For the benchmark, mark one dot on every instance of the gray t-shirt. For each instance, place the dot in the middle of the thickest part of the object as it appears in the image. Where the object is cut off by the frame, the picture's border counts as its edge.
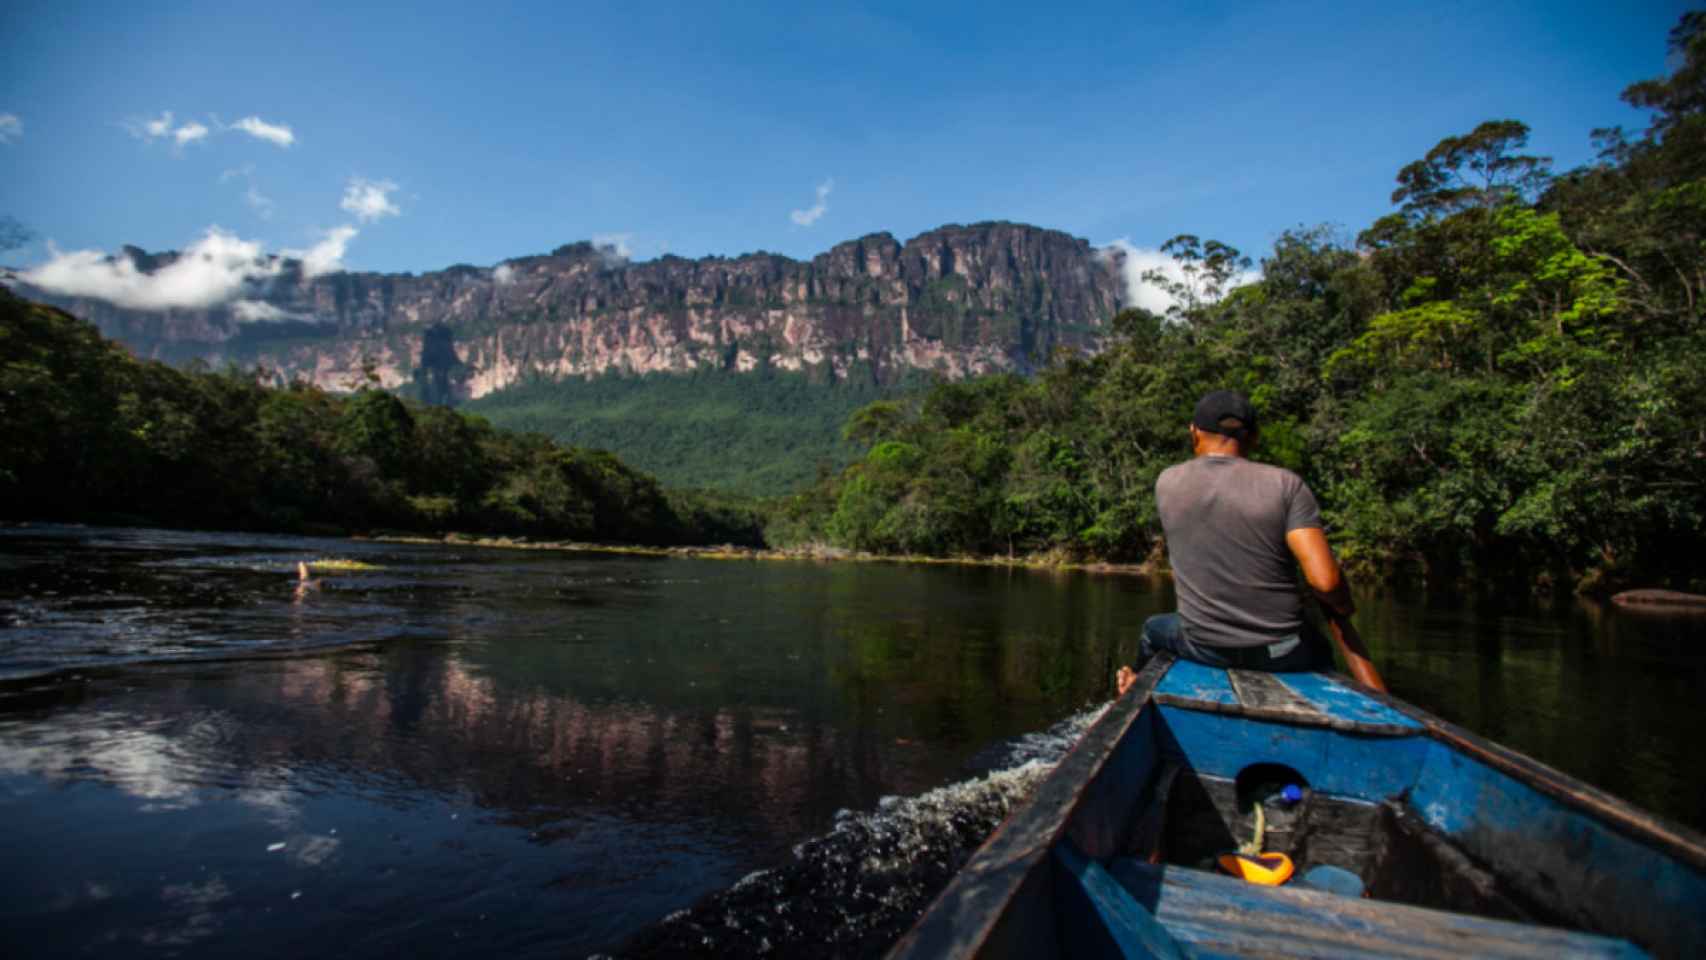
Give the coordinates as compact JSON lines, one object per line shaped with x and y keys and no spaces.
{"x":1225,"y":519}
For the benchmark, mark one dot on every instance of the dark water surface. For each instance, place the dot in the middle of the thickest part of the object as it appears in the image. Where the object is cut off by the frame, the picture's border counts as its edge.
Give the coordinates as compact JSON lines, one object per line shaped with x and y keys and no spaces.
{"x":485,"y":752}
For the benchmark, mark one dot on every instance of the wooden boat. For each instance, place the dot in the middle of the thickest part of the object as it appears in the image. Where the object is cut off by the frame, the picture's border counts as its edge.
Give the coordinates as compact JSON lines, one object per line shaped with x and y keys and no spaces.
{"x":1463,"y":848}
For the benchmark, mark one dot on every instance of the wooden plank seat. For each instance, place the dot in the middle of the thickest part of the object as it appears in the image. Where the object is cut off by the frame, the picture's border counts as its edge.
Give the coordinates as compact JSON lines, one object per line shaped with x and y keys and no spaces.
{"x":1205,"y":914}
{"x":1299,"y":699}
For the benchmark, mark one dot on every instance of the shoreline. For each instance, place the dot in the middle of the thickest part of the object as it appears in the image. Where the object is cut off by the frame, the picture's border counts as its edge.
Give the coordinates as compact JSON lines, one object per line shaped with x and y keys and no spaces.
{"x":1597,"y":588}
{"x":814,"y":554}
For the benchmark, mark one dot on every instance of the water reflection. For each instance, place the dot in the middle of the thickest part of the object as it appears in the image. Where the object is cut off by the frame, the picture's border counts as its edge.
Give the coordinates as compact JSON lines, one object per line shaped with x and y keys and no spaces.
{"x":1603,"y":694}
{"x":106,"y":747}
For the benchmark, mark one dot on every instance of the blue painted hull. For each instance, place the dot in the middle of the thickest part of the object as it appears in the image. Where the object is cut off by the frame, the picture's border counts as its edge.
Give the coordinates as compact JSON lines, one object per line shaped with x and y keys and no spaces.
{"x":1465,"y":848}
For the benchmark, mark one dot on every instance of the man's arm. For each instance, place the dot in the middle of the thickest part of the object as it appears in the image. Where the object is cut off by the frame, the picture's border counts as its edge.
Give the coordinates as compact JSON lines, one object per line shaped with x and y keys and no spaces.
{"x":1320,"y":570}
{"x":1309,"y":546}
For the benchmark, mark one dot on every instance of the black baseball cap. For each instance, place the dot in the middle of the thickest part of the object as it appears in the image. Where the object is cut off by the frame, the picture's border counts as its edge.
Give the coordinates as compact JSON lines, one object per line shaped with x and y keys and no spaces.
{"x":1227,"y":413}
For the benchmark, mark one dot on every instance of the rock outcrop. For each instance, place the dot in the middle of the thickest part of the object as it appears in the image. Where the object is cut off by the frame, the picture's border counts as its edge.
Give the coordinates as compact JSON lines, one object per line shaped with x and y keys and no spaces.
{"x":960,"y":300}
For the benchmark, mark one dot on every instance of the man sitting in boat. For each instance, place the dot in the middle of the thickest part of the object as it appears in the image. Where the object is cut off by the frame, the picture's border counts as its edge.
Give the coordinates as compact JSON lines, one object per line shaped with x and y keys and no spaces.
{"x":1235,"y":528}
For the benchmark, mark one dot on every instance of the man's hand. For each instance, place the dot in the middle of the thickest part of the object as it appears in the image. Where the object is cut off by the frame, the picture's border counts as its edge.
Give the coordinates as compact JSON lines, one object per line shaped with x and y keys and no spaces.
{"x":1123,"y":679}
{"x":1320,"y":570}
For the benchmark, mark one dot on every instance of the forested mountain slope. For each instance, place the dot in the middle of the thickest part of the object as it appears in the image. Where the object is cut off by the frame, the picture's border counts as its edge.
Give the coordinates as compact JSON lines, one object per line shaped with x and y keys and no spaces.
{"x":760,"y":433}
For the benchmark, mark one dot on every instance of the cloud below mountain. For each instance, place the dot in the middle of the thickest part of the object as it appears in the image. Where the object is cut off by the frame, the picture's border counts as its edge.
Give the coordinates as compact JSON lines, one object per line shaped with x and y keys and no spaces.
{"x":326,"y":256}
{"x":212,"y":271}
{"x":217,"y":269}
{"x":259,"y":311}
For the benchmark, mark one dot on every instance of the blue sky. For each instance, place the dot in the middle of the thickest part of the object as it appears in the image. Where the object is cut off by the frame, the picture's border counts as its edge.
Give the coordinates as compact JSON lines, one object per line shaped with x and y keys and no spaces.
{"x":429,"y":134}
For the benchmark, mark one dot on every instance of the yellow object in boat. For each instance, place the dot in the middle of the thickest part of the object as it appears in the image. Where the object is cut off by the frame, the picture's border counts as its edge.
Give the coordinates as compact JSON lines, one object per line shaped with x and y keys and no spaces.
{"x":1267,"y":869}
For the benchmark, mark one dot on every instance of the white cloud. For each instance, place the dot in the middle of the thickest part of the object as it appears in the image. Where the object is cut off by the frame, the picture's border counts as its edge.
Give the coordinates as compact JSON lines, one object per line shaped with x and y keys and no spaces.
{"x":190,"y":133}
{"x":214,"y":270}
{"x":259,"y":311}
{"x":275,"y":133}
{"x":811,"y":214}
{"x":369,"y":200}
{"x":11,"y":128}
{"x":503,"y":275}
{"x":162,"y":128}
{"x":246,"y":170}
{"x":218,"y":269}
{"x":155,"y":129}
{"x":326,"y":256}
{"x":258,"y":202}
{"x":165,"y":127}
{"x":613,"y":248}
{"x":1134,"y":261}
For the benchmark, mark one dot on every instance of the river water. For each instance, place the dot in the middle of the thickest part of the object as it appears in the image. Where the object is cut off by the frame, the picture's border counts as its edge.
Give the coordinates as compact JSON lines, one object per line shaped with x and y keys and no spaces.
{"x":472,"y":752}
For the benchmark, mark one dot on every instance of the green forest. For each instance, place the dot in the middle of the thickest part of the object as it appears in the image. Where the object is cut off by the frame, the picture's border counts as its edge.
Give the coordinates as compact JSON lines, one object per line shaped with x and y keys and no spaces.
{"x":94,"y":434}
{"x":764,"y":432}
{"x":1504,"y":377}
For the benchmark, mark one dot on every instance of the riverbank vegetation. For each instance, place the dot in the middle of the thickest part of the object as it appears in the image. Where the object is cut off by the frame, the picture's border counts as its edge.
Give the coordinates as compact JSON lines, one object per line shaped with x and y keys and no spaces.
{"x":1504,"y":376}
{"x":91,"y":433}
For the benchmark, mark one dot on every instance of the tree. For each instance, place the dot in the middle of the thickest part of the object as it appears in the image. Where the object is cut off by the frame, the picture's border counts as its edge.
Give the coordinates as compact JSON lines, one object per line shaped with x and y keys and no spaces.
{"x":1207,"y":271}
{"x":1643,"y":206}
{"x":1678,"y":100}
{"x":1477,"y":169}
{"x":375,"y":424}
{"x":874,"y":423}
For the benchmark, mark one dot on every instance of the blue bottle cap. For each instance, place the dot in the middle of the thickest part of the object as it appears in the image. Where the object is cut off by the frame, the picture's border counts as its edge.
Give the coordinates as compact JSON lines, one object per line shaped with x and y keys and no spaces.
{"x":1292,"y":793}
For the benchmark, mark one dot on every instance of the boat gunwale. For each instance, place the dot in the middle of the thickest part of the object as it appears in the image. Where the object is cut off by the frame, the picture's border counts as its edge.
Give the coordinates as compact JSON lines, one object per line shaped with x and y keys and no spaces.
{"x":932,"y":934}
{"x":1033,"y":829}
{"x":1621,"y":815}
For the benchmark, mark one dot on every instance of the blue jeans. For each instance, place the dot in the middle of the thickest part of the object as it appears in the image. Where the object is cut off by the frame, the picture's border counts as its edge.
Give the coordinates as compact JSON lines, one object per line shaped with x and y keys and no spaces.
{"x":1304,"y":650}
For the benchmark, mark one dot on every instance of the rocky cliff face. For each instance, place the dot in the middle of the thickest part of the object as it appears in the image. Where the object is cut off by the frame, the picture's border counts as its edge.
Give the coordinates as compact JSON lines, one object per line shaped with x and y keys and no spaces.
{"x":961,"y":300}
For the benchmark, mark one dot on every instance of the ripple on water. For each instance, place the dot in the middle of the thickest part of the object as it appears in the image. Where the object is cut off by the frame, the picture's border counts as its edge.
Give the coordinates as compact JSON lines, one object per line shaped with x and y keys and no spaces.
{"x":855,"y":889}
{"x":79,"y":599}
